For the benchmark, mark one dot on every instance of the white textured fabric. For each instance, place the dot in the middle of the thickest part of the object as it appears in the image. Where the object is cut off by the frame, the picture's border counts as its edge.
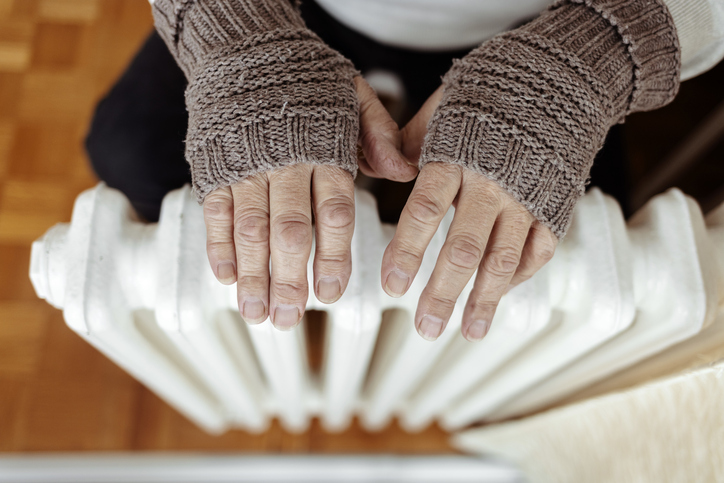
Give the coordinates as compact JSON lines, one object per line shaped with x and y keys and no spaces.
{"x":671,"y":430}
{"x":453,"y":24}
{"x":432,"y":24}
{"x":700,"y":26}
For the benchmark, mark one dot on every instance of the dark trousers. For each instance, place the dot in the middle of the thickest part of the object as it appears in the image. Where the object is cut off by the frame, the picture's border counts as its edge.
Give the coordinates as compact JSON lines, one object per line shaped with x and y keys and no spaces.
{"x":136,"y":139}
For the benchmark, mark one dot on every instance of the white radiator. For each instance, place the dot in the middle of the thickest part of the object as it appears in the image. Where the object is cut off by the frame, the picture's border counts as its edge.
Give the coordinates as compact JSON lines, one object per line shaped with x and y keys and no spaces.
{"x":613,"y":295}
{"x":205,"y":468}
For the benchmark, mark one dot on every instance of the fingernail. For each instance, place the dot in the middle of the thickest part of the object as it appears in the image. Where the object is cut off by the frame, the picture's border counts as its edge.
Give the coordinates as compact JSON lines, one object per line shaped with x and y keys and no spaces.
{"x":226,"y":272}
{"x":396,"y":283}
{"x":430,"y":327}
{"x":477,"y":330}
{"x":285,"y":316}
{"x":329,"y":289}
{"x":252,"y":310}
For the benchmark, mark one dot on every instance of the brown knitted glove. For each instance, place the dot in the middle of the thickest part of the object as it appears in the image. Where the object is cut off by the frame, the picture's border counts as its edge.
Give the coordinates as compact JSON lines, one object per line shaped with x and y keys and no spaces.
{"x":531,"y":108}
{"x":264,"y":91}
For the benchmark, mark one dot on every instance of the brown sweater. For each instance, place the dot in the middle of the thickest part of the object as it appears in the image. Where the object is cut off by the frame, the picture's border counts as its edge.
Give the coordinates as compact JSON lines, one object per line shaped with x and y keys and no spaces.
{"x":529,"y":108}
{"x":264,"y":91}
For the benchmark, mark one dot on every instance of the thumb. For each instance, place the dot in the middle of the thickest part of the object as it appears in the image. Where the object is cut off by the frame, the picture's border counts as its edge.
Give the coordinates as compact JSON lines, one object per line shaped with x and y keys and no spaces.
{"x":413,"y":134}
{"x":380,"y":139}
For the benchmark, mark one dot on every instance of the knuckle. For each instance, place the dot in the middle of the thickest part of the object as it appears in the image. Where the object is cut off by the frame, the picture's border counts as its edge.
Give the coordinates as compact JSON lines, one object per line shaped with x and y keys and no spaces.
{"x":367,"y":97}
{"x":424,"y":208}
{"x":331,"y":259}
{"x":443,"y":169}
{"x":482,"y":306}
{"x":520,"y":218}
{"x":254,"y":283}
{"x":293,"y":234}
{"x":365,"y":94}
{"x":219,"y":247}
{"x":465,"y":253}
{"x":546,"y":249}
{"x":442,"y":303}
{"x":252,"y":227}
{"x":544,"y":254}
{"x":484,"y":189}
{"x":336,"y":214}
{"x":218,"y":209}
{"x":404,"y":255}
{"x":501,"y":262}
{"x":290,"y":289}
{"x":498,"y":199}
{"x":368,"y":138}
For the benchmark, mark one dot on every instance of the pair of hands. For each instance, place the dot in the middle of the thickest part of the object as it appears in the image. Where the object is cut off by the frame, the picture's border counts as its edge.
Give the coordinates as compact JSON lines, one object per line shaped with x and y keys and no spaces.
{"x":269,"y":216}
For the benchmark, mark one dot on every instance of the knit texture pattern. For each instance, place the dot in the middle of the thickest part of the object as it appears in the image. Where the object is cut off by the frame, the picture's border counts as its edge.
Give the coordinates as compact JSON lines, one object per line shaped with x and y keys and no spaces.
{"x":264,"y":91}
{"x":530,"y":108}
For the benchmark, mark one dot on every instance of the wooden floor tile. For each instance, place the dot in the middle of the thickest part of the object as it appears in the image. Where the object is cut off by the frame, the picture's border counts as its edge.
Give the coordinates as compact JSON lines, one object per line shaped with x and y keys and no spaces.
{"x":10,"y":92}
{"x":7,"y":135}
{"x":14,"y":56}
{"x":58,"y":96}
{"x":56,"y":45}
{"x":57,"y":393}
{"x":14,"y":281}
{"x":69,"y":10}
{"x":22,"y":329}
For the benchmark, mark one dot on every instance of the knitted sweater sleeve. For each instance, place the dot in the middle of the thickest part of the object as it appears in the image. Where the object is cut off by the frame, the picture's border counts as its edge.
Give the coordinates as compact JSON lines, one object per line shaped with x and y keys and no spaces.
{"x":264,"y":91}
{"x":530,"y":108}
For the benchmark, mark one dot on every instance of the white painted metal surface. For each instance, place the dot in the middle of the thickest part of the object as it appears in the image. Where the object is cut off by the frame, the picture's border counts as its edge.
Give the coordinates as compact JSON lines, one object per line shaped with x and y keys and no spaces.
{"x":200,"y":468}
{"x":592,"y":304}
{"x":677,"y":291}
{"x":145,"y":296}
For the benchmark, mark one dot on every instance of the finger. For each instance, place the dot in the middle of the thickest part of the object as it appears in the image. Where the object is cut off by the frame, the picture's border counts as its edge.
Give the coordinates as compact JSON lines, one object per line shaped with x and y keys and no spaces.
{"x":290,"y":243}
{"x":333,"y":201}
{"x":413,"y":134}
{"x":219,"y":220}
{"x":501,"y":259}
{"x":460,"y":256}
{"x":430,"y":199}
{"x":539,"y":249}
{"x":251,"y":237}
{"x":364,"y":165}
{"x":380,"y":138}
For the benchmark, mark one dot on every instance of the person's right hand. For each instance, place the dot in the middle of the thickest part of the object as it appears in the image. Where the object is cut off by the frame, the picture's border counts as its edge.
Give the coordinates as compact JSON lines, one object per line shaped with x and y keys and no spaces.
{"x":268,"y":216}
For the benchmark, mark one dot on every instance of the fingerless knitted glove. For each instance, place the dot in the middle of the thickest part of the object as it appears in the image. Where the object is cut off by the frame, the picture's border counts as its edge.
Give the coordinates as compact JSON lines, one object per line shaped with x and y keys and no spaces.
{"x":531,"y":108}
{"x":264,"y":91}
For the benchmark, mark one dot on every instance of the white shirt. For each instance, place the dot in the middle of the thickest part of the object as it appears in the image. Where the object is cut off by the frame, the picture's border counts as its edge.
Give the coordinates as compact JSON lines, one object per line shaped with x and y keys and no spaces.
{"x":432,"y":24}
{"x":454,"y":24}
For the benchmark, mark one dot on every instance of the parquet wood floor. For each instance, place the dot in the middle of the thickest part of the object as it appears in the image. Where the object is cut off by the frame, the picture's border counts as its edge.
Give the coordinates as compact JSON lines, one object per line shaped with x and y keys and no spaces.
{"x":57,"y":58}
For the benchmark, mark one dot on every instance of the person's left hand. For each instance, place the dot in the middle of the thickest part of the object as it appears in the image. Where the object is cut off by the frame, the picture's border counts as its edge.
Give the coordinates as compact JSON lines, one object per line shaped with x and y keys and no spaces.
{"x":491,"y":232}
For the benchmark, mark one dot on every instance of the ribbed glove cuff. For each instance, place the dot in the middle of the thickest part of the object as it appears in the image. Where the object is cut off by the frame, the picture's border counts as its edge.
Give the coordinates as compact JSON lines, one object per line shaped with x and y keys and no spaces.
{"x":530,"y":108}
{"x":264,"y":91}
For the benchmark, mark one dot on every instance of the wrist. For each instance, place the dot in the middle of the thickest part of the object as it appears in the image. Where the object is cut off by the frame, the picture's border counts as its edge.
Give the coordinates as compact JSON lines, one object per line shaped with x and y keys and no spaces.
{"x":530,"y":108}
{"x":193,"y":29}
{"x":631,"y":47}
